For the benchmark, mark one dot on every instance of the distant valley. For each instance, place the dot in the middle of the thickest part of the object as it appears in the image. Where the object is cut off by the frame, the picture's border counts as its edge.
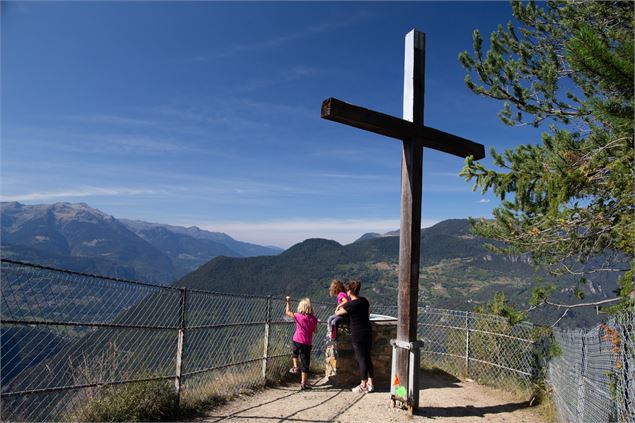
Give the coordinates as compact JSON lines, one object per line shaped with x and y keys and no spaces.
{"x":81,"y":238}
{"x":456,"y":270}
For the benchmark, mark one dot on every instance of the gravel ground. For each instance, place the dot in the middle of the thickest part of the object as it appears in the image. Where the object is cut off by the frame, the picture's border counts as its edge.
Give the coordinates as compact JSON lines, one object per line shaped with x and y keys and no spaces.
{"x":443,"y":398}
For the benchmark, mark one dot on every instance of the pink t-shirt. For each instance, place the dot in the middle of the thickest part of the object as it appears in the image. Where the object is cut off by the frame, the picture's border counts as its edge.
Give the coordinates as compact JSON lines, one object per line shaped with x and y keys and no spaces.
{"x":304,"y":326}
{"x":341,"y":296}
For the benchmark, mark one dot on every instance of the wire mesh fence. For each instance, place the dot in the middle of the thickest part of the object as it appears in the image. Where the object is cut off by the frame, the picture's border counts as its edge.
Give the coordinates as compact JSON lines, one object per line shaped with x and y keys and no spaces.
{"x":72,"y":343}
{"x":64,"y":335}
{"x":592,"y":379}
{"x":71,"y":340}
{"x":482,"y":347}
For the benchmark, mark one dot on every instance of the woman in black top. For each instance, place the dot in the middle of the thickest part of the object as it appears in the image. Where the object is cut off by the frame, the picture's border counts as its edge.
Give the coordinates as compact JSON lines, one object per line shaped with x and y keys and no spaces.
{"x":358,"y":310}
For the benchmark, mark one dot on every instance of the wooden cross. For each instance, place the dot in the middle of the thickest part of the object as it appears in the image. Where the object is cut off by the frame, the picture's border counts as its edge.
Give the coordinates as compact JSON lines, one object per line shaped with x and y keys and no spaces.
{"x":414,"y":136}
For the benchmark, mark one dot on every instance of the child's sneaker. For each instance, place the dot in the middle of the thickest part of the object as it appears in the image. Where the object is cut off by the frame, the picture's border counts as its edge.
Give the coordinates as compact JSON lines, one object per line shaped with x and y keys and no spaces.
{"x":359,"y":389}
{"x":370,"y":388}
{"x":305,"y":387}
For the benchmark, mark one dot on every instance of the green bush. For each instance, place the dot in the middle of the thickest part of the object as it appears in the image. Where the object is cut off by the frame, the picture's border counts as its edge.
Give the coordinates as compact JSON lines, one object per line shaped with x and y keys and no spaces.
{"x":134,"y":402}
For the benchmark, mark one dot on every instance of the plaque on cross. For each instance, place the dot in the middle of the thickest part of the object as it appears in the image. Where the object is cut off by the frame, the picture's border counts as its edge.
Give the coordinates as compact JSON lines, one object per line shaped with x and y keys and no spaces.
{"x":414,"y":136}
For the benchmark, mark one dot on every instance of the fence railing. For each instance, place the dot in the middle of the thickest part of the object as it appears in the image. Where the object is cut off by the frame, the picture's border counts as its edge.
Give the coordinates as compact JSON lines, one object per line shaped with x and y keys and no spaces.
{"x":482,"y":347}
{"x":70,"y":339}
{"x":593,"y":378}
{"x":67,"y":337}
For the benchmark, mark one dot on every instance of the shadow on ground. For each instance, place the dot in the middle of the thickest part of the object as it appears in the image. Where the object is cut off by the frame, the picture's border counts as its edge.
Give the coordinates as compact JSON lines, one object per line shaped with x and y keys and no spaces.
{"x":437,"y":379}
{"x":284,"y":395}
{"x":327,"y":403}
{"x":471,"y":411}
{"x":287,"y":391}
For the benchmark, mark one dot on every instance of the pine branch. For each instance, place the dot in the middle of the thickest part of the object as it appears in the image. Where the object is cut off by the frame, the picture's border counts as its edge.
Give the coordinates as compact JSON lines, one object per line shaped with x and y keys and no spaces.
{"x":569,"y":306}
{"x":560,"y":318}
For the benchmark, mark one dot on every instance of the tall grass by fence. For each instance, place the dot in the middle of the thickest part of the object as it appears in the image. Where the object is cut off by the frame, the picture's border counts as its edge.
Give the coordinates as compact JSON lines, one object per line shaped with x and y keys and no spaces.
{"x":76,"y":345}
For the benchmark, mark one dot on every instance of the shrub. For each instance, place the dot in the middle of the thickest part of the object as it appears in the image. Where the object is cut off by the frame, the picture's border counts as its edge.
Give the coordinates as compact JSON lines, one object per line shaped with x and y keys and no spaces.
{"x":140,"y":401}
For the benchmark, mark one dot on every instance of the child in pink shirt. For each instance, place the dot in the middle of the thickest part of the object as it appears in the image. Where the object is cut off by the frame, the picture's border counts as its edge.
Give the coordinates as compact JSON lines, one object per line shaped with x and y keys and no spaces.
{"x":305,"y":327}
{"x":336,"y":288}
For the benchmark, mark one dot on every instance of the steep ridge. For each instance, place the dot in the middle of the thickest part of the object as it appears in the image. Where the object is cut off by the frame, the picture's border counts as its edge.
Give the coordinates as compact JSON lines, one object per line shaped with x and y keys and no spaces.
{"x":80,"y":238}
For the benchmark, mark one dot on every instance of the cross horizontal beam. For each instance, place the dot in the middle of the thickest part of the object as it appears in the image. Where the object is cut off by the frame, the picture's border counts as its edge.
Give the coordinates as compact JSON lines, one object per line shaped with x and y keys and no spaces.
{"x":390,"y":126}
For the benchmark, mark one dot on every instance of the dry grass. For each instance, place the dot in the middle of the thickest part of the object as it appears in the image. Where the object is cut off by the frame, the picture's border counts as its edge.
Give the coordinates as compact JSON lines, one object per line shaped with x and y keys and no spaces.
{"x":152,"y":400}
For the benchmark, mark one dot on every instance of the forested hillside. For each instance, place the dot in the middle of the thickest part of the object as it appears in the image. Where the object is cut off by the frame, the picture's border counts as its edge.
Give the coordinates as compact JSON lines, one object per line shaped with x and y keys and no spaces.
{"x":456,"y":272}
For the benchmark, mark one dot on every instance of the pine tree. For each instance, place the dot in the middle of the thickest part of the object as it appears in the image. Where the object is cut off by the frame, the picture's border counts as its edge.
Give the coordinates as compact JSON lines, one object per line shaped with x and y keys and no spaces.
{"x":567,"y":66}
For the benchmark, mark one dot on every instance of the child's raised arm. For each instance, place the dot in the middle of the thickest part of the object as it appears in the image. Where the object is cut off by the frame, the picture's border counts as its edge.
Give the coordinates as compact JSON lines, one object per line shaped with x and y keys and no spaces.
{"x":287,"y":309}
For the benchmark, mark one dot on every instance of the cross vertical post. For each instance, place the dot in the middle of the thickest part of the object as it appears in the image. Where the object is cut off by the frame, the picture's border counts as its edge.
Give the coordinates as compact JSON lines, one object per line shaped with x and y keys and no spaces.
{"x":410,"y":230}
{"x":414,"y":136}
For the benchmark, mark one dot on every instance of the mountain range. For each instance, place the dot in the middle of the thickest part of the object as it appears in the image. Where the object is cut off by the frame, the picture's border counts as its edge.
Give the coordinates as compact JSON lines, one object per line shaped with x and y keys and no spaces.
{"x":456,"y":272}
{"x":80,"y":238}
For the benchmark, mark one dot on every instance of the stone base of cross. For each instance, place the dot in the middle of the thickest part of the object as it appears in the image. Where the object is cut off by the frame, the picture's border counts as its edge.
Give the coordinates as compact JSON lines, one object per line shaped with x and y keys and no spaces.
{"x":414,"y":136}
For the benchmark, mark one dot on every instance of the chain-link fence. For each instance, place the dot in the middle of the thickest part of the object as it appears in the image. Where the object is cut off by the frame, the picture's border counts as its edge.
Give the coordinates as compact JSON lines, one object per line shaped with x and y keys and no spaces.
{"x":482,"y":347}
{"x":592,"y":378}
{"x":71,"y":340}
{"x":72,"y":343}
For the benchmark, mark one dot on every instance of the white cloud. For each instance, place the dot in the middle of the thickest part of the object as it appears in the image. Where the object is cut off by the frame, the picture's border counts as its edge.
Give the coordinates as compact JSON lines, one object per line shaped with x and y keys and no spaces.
{"x":279,"y":40}
{"x":93,"y":140}
{"x":484,"y":200}
{"x":111,"y":120}
{"x":370,"y":177}
{"x":81,"y":192}
{"x":237,"y":113}
{"x":285,"y":233}
{"x":286,"y":76}
{"x":125,"y":144}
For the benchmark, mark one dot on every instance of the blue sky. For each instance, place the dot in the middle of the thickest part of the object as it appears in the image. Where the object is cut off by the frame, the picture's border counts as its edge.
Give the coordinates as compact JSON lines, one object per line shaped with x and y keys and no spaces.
{"x":207,"y":114}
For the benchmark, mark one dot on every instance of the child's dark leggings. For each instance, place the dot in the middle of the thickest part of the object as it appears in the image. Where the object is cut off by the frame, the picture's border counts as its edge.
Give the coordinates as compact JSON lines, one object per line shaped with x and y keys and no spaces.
{"x":304,"y":352}
{"x":362,"y":354}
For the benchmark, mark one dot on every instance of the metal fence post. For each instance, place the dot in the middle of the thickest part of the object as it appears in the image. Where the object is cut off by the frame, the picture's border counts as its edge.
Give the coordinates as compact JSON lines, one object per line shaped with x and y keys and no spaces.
{"x":581,"y":387}
{"x":179,"y":347}
{"x":265,"y":353}
{"x":467,"y":344}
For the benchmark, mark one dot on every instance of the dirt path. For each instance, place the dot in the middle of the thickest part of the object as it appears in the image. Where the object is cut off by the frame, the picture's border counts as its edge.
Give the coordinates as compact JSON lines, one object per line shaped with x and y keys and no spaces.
{"x":443,"y":398}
